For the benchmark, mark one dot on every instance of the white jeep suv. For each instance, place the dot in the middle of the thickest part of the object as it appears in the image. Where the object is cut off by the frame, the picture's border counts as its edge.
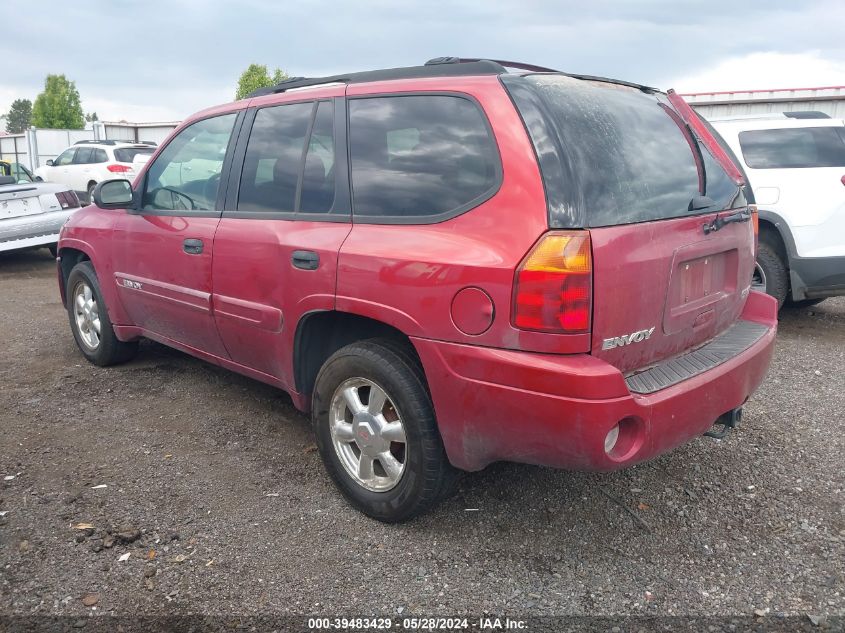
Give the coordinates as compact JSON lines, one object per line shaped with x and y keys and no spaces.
{"x":87,"y":163}
{"x":795,"y":162}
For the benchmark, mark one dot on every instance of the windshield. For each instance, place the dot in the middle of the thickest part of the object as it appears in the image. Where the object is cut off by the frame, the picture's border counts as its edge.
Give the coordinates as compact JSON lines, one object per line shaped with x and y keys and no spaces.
{"x":626,"y":156}
{"x":127,"y":154}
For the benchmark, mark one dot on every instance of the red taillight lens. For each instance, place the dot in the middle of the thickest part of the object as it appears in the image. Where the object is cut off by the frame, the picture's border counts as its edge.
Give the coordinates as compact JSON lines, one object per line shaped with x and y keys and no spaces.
{"x":553,"y":290}
{"x":118,"y":169}
{"x":67,"y":199}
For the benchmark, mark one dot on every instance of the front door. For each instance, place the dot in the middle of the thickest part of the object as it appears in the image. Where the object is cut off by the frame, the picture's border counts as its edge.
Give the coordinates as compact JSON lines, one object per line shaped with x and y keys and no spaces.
{"x":286,"y":216}
{"x":164,"y":250}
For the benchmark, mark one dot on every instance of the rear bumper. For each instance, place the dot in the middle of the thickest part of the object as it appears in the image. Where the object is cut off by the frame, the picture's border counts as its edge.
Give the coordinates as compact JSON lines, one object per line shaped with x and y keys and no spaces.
{"x":499,"y":405}
{"x":817,"y":277}
{"x":32,"y":230}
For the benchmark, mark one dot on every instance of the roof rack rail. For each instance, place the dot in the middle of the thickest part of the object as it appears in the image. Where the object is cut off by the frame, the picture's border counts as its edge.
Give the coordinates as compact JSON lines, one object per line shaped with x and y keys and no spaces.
{"x":436,"y":67}
{"x":464,"y":60}
{"x":466,"y":68}
{"x":806,"y":114}
{"x":113,"y":142}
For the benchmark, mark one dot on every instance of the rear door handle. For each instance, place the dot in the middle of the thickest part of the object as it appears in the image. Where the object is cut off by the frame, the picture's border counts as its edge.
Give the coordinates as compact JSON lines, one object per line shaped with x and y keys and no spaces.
{"x":192,"y":246}
{"x":305,"y":260}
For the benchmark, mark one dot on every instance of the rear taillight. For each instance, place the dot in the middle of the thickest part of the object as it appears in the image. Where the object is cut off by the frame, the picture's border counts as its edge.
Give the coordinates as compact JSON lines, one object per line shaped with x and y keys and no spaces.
{"x":67,"y":199}
{"x":118,"y":169}
{"x":553,"y":289}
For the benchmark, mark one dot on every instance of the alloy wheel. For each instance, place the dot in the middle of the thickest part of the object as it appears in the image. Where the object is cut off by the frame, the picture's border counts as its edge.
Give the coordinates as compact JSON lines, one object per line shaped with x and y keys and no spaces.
{"x":368,"y":434}
{"x":87,"y":315}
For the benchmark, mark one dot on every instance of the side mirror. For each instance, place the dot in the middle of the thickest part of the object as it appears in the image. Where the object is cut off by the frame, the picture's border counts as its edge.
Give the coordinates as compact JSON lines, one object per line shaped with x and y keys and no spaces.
{"x":50,"y":163}
{"x":113,"y":194}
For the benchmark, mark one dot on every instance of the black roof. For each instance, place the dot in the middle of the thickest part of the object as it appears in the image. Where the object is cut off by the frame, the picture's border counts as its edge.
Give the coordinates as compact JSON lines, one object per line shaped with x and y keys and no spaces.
{"x":437,"y":67}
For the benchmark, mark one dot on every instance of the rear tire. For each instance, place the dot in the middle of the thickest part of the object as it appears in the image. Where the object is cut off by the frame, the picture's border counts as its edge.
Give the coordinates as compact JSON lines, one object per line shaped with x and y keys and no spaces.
{"x":775,"y":272}
{"x":89,"y":320}
{"x":417,"y":474}
{"x":91,"y":186}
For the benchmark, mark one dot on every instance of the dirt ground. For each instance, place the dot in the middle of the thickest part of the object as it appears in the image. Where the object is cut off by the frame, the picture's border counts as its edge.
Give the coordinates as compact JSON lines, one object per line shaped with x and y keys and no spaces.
{"x":211,"y":485}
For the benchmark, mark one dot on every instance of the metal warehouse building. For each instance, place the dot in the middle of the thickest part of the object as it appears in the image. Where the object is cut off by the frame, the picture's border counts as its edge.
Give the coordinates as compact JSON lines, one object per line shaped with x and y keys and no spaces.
{"x":828,"y":99}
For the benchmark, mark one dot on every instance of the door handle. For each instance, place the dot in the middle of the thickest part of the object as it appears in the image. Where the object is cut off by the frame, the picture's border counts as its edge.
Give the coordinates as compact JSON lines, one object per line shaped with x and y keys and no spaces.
{"x":192,"y":246}
{"x":305,"y":260}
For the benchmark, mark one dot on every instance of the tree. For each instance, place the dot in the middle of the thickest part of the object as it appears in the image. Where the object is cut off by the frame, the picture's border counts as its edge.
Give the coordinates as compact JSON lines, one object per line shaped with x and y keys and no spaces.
{"x":257,"y":76}
{"x":91,"y":117}
{"x":19,"y":117}
{"x":59,"y":106}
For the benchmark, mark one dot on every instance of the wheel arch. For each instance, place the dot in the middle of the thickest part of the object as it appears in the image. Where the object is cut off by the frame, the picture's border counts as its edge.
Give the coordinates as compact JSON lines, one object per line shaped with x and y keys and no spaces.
{"x":777,"y":229}
{"x":320,"y":333}
{"x":68,"y":257}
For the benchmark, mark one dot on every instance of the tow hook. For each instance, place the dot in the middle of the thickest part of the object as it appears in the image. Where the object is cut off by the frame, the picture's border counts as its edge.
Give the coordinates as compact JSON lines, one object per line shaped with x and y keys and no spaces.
{"x":728,"y":421}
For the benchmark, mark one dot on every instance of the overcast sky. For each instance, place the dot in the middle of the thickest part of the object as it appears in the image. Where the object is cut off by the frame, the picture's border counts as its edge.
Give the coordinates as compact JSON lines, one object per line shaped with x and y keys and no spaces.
{"x":156,"y":60}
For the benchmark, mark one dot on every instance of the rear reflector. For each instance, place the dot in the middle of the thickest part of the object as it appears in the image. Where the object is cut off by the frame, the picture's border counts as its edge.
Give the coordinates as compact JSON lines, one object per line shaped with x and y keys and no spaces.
{"x":554,"y":285}
{"x":118,"y":169}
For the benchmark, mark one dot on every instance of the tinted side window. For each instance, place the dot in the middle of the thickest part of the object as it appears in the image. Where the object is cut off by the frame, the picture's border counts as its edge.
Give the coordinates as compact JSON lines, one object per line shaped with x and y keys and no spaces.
{"x":273,"y":158}
{"x":186,"y":174}
{"x":793,"y":148}
{"x":83,"y":156}
{"x":419,"y":156}
{"x":99,"y":156}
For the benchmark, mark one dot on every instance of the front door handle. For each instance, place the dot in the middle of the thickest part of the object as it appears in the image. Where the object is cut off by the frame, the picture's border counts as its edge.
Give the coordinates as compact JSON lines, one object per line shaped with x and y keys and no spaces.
{"x":305,"y":260}
{"x":192,"y":246}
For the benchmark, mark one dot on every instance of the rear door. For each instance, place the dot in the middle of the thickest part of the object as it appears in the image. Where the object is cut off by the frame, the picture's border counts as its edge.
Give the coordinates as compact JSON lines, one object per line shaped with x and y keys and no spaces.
{"x":648,"y":192}
{"x":287,"y":213}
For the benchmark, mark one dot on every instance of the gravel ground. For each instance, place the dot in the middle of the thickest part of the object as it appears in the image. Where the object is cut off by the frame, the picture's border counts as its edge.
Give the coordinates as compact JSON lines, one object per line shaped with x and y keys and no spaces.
{"x":210,"y":484}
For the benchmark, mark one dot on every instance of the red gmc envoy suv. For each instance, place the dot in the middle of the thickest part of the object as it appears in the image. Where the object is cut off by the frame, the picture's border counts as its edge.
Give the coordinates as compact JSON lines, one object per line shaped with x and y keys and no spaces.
{"x":447,"y":265}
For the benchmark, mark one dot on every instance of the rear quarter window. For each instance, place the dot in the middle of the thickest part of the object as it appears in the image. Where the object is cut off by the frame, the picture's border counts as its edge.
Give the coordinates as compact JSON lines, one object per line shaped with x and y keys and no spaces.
{"x":128,"y":154}
{"x":791,"y":148}
{"x":420,"y":158}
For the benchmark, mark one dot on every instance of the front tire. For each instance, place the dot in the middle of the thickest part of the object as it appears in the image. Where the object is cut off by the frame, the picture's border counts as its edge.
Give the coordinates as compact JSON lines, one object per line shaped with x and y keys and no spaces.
{"x":89,"y":319}
{"x":377,"y":433}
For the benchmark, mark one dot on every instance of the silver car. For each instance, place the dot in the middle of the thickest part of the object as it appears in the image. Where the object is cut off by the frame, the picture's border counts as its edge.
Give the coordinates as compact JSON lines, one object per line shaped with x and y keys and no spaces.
{"x":31,"y":212}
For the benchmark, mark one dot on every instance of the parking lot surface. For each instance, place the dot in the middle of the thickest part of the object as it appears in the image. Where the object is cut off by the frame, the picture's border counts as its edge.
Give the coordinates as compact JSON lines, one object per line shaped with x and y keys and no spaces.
{"x":211,"y":483}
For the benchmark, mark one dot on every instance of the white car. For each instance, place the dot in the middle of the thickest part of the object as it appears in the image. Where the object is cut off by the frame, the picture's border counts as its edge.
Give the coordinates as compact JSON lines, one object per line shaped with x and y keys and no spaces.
{"x":795,"y":162}
{"x":87,"y":163}
{"x":31,"y":213}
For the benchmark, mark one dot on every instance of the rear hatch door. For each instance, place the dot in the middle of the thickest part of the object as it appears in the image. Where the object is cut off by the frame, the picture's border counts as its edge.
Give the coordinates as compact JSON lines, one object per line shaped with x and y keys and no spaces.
{"x":643,"y":174}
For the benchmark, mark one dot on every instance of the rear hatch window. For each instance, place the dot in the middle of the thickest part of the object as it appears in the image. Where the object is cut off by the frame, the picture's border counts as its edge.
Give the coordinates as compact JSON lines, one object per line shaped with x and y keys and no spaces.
{"x":127,"y":154}
{"x":624,"y":155}
{"x":790,"y":148}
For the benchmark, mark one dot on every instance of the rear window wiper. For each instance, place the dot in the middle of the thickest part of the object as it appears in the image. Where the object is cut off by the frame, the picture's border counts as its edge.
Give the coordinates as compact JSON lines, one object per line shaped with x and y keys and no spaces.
{"x":721,"y":220}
